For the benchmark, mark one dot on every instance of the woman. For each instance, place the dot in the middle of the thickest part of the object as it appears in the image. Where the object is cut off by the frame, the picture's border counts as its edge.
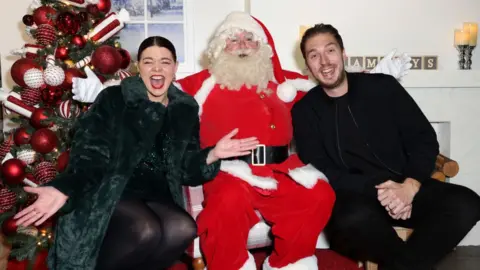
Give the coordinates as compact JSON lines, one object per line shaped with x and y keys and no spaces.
{"x":131,"y":153}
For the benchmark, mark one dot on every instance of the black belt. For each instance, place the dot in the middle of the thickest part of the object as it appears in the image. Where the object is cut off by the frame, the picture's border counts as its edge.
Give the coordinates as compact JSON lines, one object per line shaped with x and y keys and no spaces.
{"x":263,"y":155}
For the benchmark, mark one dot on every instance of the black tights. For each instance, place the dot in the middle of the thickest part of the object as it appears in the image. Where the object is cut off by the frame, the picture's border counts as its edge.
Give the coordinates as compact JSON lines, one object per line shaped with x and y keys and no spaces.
{"x":442,"y":215}
{"x":145,"y":235}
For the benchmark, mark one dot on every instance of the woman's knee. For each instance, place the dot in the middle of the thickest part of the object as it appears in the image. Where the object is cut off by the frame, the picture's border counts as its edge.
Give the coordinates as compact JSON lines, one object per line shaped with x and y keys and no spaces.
{"x":180,"y":229}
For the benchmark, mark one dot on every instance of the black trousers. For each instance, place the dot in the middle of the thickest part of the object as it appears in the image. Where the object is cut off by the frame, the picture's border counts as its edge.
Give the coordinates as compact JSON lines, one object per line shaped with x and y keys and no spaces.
{"x":145,"y":235}
{"x":442,"y":214}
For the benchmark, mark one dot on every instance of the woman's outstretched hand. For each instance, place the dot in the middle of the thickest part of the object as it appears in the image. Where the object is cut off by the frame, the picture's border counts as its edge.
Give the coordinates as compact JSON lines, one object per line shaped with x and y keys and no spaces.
{"x":228,"y":147}
{"x":49,"y":201}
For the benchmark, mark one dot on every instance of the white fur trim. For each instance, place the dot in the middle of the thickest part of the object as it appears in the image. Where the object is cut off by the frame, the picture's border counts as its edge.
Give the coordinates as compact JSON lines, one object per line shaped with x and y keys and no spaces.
{"x":249,"y":263}
{"x":244,"y":21}
{"x":240,"y":169}
{"x":287,"y":90}
{"x":203,"y":92}
{"x":307,"y":175}
{"x":307,"y":263}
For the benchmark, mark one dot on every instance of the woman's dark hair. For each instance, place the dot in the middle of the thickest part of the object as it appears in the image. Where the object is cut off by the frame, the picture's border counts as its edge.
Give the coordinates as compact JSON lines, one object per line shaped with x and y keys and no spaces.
{"x":320,"y":29}
{"x":157,"y":41}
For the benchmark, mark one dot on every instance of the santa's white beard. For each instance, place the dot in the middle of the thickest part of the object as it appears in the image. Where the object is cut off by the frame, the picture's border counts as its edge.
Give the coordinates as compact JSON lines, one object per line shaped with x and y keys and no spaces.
{"x":233,"y":71}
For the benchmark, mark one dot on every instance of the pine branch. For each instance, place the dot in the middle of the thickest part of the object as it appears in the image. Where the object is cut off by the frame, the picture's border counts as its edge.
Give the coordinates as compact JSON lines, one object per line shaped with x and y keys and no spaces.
{"x":6,"y":215}
{"x":23,"y":246}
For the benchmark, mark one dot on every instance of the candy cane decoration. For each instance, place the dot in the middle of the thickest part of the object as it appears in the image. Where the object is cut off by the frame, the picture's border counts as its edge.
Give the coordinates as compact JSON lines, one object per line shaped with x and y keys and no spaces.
{"x":28,"y":50}
{"x":79,"y":3}
{"x":109,"y":26}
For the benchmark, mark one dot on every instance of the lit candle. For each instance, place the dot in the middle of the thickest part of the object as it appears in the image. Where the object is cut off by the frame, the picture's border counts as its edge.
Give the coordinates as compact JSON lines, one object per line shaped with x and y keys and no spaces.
{"x":472,"y":28}
{"x":462,"y":37}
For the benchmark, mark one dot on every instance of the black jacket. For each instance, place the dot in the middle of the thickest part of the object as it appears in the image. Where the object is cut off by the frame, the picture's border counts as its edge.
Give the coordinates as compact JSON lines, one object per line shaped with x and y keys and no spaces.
{"x":394,"y":128}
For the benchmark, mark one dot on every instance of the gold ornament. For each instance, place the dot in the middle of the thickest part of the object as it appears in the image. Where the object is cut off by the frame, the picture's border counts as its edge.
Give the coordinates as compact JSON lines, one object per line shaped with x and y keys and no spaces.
{"x":69,"y":63}
{"x":117,"y":44}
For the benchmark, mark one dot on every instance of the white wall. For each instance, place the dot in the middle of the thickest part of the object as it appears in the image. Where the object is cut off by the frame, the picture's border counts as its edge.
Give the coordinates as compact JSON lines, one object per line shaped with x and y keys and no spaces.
{"x":373,"y":27}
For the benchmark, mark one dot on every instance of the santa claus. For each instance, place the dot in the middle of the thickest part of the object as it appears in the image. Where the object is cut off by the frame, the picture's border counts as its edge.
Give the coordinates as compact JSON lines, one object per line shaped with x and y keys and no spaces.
{"x":245,"y":87}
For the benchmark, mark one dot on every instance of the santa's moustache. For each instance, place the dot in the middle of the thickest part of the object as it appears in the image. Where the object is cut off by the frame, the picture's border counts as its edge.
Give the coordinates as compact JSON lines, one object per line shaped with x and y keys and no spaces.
{"x":243,"y":67}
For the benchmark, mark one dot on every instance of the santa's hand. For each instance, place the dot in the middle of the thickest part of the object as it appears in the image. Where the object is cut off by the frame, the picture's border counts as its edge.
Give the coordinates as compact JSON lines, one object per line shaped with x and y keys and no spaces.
{"x":392,"y":65}
{"x":86,"y":90}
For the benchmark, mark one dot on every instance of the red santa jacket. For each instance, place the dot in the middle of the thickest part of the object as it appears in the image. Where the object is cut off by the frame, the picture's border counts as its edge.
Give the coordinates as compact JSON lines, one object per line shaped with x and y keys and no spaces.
{"x":261,"y":115}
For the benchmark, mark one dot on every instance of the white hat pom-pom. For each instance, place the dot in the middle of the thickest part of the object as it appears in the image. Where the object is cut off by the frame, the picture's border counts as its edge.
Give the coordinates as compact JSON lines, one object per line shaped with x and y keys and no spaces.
{"x":286,"y":92}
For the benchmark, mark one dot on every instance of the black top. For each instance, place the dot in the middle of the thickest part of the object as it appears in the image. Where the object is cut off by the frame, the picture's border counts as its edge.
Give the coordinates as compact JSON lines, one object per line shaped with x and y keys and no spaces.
{"x":397,"y":137}
{"x":148,"y":181}
{"x":354,"y":152}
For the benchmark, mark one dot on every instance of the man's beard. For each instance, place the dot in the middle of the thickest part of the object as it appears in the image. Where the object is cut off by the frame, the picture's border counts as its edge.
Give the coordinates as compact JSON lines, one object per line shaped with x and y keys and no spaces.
{"x":244,"y":67}
{"x":340,"y":79}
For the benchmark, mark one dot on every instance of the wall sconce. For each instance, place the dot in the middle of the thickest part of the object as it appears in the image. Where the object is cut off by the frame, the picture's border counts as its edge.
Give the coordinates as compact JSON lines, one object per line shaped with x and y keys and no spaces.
{"x":465,"y":41}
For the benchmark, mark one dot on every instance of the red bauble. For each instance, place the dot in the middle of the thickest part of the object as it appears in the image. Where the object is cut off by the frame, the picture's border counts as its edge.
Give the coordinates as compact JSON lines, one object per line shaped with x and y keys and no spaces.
{"x":52,"y":95}
{"x":27,"y":20}
{"x":39,"y":264}
{"x":8,"y":199}
{"x":126,"y":58}
{"x":40,"y":115}
{"x":104,"y":6}
{"x":62,"y":161}
{"x":21,"y":136}
{"x":9,"y":226}
{"x":93,"y":9}
{"x":68,"y":23}
{"x":31,"y":96}
{"x":13,"y":171}
{"x":44,"y":140}
{"x":20,"y":67}
{"x":71,"y":73}
{"x":5,"y":146}
{"x":79,"y":41}
{"x":44,"y":172}
{"x":44,"y":15}
{"x":45,"y":34}
{"x":106,"y":59}
{"x":61,"y":53}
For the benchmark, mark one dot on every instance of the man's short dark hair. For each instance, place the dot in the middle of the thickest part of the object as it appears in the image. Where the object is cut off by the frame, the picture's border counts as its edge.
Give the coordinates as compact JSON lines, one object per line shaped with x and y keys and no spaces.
{"x":320,"y":29}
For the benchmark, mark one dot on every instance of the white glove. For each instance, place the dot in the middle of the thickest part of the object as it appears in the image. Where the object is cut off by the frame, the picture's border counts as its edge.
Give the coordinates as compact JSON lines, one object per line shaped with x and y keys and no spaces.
{"x":397,"y":66}
{"x":86,"y":90}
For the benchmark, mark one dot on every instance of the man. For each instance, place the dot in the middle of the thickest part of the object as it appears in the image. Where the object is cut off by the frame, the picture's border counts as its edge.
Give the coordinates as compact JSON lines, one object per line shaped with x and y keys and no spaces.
{"x":377,"y":150}
{"x":245,"y":87}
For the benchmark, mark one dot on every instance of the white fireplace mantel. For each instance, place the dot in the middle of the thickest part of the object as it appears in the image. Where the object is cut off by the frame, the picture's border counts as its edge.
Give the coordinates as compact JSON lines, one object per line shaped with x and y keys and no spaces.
{"x":442,"y":79}
{"x":450,"y":100}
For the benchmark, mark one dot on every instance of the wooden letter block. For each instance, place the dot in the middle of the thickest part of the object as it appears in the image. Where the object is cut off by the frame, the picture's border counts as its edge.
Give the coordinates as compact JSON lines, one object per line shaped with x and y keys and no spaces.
{"x":357,"y":61}
{"x":371,"y":62}
{"x":416,"y":62}
{"x":430,"y":62}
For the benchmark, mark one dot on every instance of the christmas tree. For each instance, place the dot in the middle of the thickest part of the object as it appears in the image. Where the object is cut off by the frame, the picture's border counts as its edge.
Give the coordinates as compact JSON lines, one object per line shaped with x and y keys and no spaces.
{"x":67,"y":37}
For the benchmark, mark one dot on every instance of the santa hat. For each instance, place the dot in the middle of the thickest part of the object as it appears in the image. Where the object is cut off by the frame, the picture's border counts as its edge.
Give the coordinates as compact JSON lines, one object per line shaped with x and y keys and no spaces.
{"x":238,"y":20}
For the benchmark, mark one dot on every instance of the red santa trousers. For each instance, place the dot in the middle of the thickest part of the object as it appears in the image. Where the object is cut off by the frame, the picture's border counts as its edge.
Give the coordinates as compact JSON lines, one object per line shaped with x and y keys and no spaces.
{"x":297,"y":216}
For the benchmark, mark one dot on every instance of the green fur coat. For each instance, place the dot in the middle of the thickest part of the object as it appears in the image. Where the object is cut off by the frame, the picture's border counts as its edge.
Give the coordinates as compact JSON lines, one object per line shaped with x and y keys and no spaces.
{"x":110,"y":140}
